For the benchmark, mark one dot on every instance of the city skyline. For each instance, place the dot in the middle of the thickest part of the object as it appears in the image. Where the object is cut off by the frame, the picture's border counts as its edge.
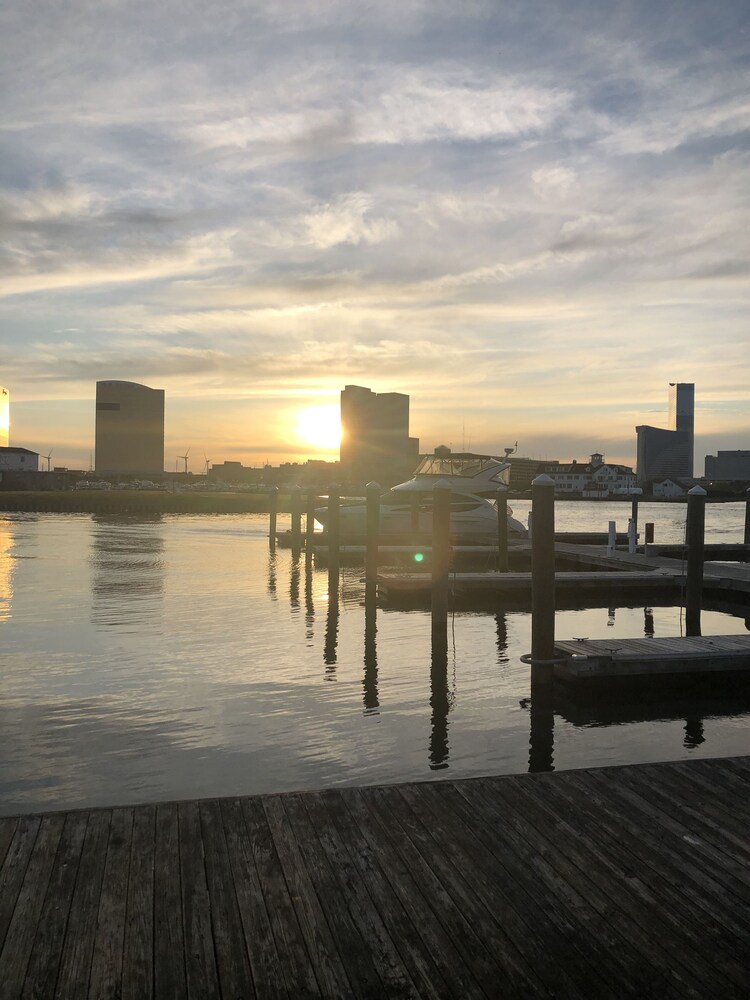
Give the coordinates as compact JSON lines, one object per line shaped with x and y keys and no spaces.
{"x":528,"y":218}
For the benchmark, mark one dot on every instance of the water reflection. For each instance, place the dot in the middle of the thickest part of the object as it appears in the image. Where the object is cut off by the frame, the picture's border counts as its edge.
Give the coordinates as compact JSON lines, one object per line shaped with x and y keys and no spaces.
{"x":332,"y":626}
{"x":541,"y":727}
{"x":6,"y":571}
{"x":272,"y":572}
{"x":126,"y":557}
{"x":370,"y":698}
{"x":501,"y":640}
{"x":693,"y":733}
{"x":648,"y":622}
{"x":439,"y":701}
{"x":294,"y":582}
{"x":309,"y":604}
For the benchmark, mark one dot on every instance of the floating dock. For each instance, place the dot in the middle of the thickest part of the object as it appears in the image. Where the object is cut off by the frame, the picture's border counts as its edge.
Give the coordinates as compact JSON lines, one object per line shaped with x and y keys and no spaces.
{"x":617,"y":882}
{"x":648,"y":658}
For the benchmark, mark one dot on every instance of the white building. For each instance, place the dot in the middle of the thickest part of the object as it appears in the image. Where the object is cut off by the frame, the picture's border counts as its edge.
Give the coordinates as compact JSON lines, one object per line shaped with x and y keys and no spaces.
{"x":594,"y":479}
{"x":18,"y":460}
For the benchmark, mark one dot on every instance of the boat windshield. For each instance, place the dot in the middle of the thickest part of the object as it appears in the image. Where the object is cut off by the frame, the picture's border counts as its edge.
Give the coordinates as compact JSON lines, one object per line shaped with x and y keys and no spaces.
{"x":465,"y":466}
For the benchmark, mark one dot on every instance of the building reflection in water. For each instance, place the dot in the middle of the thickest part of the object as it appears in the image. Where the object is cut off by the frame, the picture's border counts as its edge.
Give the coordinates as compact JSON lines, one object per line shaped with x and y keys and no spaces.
{"x":370,"y":680}
{"x":7,"y":542}
{"x":127,"y":583}
{"x":332,"y":626}
{"x":439,"y":701}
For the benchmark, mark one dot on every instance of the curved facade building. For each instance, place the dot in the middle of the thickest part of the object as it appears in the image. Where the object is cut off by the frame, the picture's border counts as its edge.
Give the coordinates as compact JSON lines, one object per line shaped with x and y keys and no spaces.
{"x":129,"y":429}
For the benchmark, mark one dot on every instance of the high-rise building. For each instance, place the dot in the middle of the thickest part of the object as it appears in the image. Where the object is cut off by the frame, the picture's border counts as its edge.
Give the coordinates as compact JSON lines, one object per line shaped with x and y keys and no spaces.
{"x":129,"y":429}
{"x":669,"y":453}
{"x":375,"y":442}
{"x":4,"y":417}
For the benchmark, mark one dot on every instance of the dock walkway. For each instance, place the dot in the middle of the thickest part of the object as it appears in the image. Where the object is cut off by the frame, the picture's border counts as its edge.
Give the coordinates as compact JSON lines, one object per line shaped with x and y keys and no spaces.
{"x":617,"y":882}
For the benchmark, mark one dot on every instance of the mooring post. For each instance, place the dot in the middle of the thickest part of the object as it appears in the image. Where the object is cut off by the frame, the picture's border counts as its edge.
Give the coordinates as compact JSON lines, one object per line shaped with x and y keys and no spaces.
{"x":502,"y":529}
{"x":543,"y":580}
{"x":273,"y":504}
{"x":696,"y":521}
{"x":634,"y":516}
{"x":632,"y":536}
{"x":441,"y":518}
{"x":295,"y":506}
{"x":612,"y":538}
{"x":747,"y":520}
{"x":332,"y":529}
{"x":373,"y":531}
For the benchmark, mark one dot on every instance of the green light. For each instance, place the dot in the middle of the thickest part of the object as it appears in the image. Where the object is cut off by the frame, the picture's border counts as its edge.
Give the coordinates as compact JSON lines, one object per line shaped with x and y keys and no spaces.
{"x":418,"y":557}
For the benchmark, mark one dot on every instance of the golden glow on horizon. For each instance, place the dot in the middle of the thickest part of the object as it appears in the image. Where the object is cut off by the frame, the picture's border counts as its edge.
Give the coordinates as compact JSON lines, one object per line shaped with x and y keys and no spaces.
{"x":320,"y":426}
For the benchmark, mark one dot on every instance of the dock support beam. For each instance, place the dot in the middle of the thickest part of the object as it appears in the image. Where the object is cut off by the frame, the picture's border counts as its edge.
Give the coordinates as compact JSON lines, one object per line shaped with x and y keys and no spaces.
{"x":441,"y":517}
{"x":273,"y":506}
{"x":312,"y":503}
{"x":746,"y":539}
{"x":373,"y":532}
{"x":295,"y":506}
{"x":332,"y":529}
{"x":696,"y":520}
{"x":502,"y":530}
{"x":543,"y":580}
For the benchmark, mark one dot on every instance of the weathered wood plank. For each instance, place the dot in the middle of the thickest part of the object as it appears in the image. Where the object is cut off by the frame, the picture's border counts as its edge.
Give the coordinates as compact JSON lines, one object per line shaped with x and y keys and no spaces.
{"x":559,"y":966}
{"x":138,"y":946}
{"x":233,"y":964}
{"x":588,"y":918}
{"x":8,"y":826}
{"x":675,"y":947}
{"x":340,"y":898}
{"x":329,"y":969}
{"x":265,"y":965}
{"x":170,"y":982}
{"x":22,"y":928}
{"x":14,"y":868}
{"x":297,"y":966}
{"x":200,"y":960}
{"x":41,"y":974}
{"x":106,"y":962}
{"x":442,"y":923}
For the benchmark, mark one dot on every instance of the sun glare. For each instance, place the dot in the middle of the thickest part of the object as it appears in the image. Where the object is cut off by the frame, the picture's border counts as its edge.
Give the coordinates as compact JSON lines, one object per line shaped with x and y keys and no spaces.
{"x":320,"y":426}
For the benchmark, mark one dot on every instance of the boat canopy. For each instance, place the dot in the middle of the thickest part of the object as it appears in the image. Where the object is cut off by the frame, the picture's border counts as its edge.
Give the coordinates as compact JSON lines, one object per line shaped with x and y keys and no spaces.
{"x":466,"y":466}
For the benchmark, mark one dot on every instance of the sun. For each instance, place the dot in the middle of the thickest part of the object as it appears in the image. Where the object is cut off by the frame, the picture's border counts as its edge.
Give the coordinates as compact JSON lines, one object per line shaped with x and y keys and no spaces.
{"x":320,"y":426}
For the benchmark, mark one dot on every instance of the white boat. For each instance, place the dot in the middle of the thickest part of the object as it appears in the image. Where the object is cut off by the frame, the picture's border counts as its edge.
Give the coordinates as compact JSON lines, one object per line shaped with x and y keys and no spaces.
{"x":473,"y":480}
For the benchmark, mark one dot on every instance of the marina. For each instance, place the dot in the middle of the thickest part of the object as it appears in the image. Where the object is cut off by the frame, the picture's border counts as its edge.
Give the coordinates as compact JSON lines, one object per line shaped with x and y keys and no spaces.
{"x":619,"y":882}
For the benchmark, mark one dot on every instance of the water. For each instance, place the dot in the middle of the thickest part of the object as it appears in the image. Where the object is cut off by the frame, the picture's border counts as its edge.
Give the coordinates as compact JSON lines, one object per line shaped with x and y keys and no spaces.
{"x":175,"y":657}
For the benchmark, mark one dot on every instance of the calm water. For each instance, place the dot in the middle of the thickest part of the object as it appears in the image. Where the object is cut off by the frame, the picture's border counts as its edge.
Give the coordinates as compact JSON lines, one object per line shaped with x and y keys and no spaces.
{"x":175,"y":657}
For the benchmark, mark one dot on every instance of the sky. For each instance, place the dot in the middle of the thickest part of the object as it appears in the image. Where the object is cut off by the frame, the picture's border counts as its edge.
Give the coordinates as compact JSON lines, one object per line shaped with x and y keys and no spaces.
{"x":529,"y":216}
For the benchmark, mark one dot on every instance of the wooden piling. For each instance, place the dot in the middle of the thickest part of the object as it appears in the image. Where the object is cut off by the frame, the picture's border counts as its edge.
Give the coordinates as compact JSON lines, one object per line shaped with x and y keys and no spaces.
{"x":332,"y":529}
{"x":273,"y":504}
{"x":543,"y":580}
{"x":696,"y":519}
{"x":441,"y":517}
{"x":502,"y":530}
{"x":295,"y":506}
{"x":312,"y":503}
{"x":373,"y":532}
{"x":746,"y":539}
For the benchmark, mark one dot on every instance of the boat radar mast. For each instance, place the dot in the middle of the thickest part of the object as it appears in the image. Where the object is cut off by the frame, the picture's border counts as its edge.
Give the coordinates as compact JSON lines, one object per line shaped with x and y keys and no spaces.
{"x":511,"y":451}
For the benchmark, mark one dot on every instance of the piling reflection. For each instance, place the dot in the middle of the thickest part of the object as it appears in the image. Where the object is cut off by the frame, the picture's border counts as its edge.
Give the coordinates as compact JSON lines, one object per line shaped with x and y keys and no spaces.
{"x":501,"y":640}
{"x":370,"y":697}
{"x":648,"y":622}
{"x":439,"y":701}
{"x":294,"y":574}
{"x":541,"y":727}
{"x":127,"y":582}
{"x":332,"y":626}
{"x":693,"y":733}
{"x":272,"y":572}
{"x":6,"y":571}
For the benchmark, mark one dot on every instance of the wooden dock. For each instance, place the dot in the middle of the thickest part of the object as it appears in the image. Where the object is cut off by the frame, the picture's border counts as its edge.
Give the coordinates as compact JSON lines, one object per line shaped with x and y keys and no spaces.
{"x":676,"y":656}
{"x":617,"y":882}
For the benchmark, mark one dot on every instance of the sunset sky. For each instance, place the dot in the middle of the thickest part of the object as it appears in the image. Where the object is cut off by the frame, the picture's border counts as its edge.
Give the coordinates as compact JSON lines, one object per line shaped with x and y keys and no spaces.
{"x":529,"y":216}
